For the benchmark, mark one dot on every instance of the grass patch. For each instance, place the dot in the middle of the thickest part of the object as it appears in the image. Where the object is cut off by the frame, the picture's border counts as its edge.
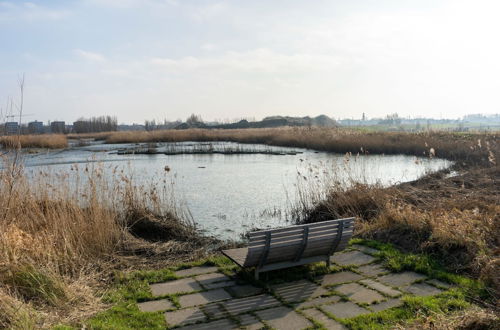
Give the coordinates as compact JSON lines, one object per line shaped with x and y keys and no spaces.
{"x":37,"y":286}
{"x":127,"y":316}
{"x":397,"y":261}
{"x":413,"y":308}
{"x":130,"y":288}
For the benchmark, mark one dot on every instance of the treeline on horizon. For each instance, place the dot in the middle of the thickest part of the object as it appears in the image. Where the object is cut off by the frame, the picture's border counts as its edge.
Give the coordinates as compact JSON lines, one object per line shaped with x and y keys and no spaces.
{"x":96,"y":124}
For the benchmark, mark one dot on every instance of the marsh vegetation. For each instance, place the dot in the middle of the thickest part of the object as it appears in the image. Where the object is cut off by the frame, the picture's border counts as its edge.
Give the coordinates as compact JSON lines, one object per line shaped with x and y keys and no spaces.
{"x":60,"y":246}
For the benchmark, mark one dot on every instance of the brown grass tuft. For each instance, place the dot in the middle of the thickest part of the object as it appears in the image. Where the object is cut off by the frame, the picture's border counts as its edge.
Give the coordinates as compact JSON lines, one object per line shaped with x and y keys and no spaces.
{"x":473,"y":318}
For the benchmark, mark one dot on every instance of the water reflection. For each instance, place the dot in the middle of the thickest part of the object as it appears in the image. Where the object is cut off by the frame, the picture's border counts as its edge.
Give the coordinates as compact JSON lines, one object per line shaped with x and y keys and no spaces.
{"x":230,"y":194}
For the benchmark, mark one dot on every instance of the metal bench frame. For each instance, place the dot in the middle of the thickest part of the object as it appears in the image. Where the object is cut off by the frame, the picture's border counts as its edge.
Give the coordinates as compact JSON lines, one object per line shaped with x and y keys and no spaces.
{"x":293,"y":246}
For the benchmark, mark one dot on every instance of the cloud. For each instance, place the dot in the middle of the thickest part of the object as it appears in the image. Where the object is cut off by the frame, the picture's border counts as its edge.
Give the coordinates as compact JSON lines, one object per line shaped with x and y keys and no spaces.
{"x":90,"y":56}
{"x":29,"y":11}
{"x":124,"y":4}
{"x":260,"y":60}
{"x":204,"y":13}
{"x":208,"y":47}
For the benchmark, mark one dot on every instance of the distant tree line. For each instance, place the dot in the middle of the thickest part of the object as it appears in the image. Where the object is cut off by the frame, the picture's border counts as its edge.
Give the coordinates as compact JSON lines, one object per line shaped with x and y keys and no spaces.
{"x":95,"y":124}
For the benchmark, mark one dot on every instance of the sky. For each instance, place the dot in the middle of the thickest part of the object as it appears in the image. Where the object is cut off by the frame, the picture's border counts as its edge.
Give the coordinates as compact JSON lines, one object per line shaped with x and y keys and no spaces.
{"x":224,"y":60}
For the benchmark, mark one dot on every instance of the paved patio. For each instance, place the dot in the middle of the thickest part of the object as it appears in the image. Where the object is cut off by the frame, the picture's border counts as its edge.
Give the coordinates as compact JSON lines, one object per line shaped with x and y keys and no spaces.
{"x":209,"y":299}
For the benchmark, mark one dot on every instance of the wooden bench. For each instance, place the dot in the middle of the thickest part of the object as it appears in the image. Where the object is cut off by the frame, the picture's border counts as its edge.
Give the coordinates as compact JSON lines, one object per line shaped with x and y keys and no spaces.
{"x":293,"y":246}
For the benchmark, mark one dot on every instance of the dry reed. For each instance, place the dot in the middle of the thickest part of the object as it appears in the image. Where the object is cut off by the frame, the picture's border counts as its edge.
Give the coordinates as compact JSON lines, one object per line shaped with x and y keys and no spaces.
{"x":466,"y":147}
{"x":51,"y":141}
{"x":57,"y":228}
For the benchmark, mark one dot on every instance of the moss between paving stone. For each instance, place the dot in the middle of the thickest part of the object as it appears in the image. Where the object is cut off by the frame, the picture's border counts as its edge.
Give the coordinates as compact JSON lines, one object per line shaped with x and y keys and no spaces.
{"x":446,"y":302}
{"x":132,"y":287}
{"x":397,"y":261}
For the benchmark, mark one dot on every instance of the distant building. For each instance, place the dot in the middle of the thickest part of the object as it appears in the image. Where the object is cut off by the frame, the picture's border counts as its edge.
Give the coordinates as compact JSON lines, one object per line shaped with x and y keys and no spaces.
{"x":58,"y":127}
{"x":36,"y":127}
{"x":11,"y":127}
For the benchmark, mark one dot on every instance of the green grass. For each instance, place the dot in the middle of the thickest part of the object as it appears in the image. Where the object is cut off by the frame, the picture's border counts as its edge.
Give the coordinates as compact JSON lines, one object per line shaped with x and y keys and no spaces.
{"x":412,"y":309}
{"x":397,"y":261}
{"x":37,"y":285}
{"x":132,"y":287}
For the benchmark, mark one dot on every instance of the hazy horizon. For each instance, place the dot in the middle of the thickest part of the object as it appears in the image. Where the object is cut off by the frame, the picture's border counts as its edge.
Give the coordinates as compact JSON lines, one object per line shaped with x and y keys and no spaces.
{"x":156,"y":59}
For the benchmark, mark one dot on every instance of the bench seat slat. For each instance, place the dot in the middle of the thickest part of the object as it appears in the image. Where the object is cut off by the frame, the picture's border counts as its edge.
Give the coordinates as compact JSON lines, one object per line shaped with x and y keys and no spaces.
{"x":296,"y":235}
{"x":327,"y":236}
{"x":295,"y":231}
{"x":274,"y":240}
{"x":311,"y":225}
{"x":238,"y":256}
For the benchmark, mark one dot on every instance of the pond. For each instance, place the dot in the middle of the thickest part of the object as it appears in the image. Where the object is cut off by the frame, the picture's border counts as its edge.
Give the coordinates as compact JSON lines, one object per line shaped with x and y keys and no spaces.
{"x":238,"y":187}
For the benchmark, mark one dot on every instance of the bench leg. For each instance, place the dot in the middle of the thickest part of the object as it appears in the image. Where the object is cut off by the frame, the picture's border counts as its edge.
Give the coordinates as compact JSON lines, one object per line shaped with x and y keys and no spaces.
{"x":328,"y":263}
{"x":256,"y":273}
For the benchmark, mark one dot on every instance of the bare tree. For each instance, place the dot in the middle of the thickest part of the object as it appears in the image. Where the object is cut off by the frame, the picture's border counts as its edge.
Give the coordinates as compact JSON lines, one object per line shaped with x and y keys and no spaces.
{"x":194,"y":120}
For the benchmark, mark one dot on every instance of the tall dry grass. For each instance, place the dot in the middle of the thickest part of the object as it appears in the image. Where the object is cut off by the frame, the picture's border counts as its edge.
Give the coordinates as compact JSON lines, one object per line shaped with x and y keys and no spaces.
{"x":454,"y":218}
{"x":471,"y":147}
{"x":58,"y":230}
{"x":50,"y":141}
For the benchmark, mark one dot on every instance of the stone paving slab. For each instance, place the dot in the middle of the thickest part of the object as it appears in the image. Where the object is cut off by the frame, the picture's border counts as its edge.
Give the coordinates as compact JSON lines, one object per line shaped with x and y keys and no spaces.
{"x":202,"y":298}
{"x":211,"y":278}
{"x":359,"y":293}
{"x":225,"y":324}
{"x":298,"y":290}
{"x":283,"y":318}
{"x":345,"y":309}
{"x":439,"y":284}
{"x":247,"y":304}
{"x":245,"y":290}
{"x":320,"y":317}
{"x":184,"y":316}
{"x":195,"y":271}
{"x":400,"y":279}
{"x":386,"y":305}
{"x":372,"y":270}
{"x":356,"y":258}
{"x":365,"y":249}
{"x":317,"y":302}
{"x":340,"y":277}
{"x":155,"y":305}
{"x":388,"y":291}
{"x":177,"y":286}
{"x":423,"y":289}
{"x":218,"y":285}
{"x":250,"y":322}
{"x":214,"y":311}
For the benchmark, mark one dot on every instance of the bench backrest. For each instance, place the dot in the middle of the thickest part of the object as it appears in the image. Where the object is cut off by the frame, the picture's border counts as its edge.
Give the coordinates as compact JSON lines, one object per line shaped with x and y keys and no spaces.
{"x":296,"y":242}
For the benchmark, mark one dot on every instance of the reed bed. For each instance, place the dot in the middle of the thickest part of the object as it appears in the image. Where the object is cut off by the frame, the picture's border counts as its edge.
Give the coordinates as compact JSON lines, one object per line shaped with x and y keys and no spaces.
{"x":50,"y":141}
{"x":59,"y":231}
{"x":452,"y":217}
{"x":473,"y":147}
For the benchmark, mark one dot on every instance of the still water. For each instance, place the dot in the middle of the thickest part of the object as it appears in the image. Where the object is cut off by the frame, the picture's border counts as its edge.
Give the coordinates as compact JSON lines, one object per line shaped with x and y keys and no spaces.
{"x":229,"y":194}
